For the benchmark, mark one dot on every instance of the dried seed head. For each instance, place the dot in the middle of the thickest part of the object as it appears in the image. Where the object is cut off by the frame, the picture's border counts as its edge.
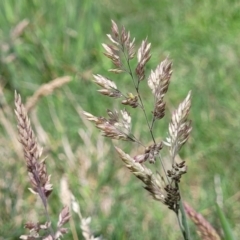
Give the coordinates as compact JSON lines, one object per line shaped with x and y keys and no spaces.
{"x":179,"y":127}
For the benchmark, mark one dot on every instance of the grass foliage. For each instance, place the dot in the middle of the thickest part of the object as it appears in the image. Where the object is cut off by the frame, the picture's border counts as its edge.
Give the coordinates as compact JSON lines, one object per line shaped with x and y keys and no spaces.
{"x":63,"y":38}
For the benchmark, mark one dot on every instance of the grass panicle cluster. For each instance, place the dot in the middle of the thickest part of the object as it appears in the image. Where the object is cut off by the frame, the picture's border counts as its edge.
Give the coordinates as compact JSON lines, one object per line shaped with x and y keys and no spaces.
{"x":38,"y":45}
{"x":39,"y":179}
{"x":163,"y":186}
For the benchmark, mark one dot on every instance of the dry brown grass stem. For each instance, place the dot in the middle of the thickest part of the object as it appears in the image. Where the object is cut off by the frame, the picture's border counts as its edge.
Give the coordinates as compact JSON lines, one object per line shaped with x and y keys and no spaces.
{"x":45,"y":90}
{"x":205,"y":229}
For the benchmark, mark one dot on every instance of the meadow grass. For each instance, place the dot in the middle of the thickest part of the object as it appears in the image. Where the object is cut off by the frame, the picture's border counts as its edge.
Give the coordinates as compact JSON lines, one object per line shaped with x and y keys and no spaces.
{"x":63,"y":38}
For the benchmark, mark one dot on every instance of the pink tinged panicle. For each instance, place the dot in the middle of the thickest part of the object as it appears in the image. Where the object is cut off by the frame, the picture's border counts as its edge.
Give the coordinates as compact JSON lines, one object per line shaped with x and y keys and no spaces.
{"x":131,"y":49}
{"x":36,"y":170}
{"x":143,"y":57}
{"x":205,"y":229}
{"x":158,"y":82}
{"x":127,"y":45}
{"x":115,"y":31}
{"x":113,"y":54}
{"x":121,"y":43}
{"x":179,"y":127}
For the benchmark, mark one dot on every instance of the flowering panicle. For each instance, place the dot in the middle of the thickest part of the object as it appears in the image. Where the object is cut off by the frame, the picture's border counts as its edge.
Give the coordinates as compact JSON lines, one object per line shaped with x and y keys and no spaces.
{"x":143,"y":57}
{"x":179,"y":127}
{"x":163,"y":187}
{"x":121,"y":43}
{"x":39,"y":178}
{"x":36,"y":170}
{"x":158,"y":82}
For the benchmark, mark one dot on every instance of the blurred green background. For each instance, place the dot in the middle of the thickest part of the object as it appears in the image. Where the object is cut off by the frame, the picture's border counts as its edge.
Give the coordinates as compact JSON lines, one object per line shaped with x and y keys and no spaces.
{"x":63,"y":38}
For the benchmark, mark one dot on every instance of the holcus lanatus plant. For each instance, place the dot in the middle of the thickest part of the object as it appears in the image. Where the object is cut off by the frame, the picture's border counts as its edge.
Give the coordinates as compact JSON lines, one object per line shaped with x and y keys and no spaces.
{"x":117,"y":125}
